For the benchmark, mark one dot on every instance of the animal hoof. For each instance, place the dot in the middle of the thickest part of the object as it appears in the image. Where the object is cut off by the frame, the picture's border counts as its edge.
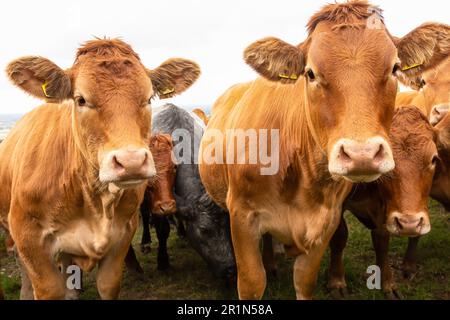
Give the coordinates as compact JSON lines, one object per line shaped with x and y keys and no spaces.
{"x":409,"y":271}
{"x":163,"y":266}
{"x":146,"y":248}
{"x":135,"y":268}
{"x":339,"y":293}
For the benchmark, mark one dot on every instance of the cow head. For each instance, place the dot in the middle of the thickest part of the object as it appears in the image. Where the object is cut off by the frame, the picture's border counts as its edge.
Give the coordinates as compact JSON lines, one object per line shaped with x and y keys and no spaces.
{"x":436,"y":91}
{"x":109,"y":91}
{"x":440,"y":189}
{"x":407,"y":187}
{"x":348,"y":66}
{"x":208,"y":231}
{"x":161,"y":188}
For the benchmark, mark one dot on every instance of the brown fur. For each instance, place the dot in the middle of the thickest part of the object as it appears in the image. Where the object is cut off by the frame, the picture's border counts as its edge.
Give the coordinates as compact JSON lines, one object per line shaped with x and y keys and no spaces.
{"x":427,"y":45}
{"x":434,"y":92}
{"x":343,"y":13}
{"x":53,"y":203}
{"x":301,"y":204}
{"x":174,"y":74}
{"x":405,"y":190}
{"x":161,"y":190}
{"x":24,"y":72}
{"x":284,"y":60}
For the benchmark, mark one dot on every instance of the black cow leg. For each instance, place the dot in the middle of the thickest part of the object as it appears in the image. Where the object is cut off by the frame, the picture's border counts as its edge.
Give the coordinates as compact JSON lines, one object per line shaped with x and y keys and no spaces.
{"x":410,"y":260}
{"x":181,"y":230}
{"x":146,"y":237}
{"x":162,"y":227}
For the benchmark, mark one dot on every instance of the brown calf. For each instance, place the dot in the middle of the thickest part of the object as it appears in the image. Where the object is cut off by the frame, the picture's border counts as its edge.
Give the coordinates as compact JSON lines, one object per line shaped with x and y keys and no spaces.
{"x":330,"y":134}
{"x":159,"y":201}
{"x":398,"y":203}
{"x":73,"y":171}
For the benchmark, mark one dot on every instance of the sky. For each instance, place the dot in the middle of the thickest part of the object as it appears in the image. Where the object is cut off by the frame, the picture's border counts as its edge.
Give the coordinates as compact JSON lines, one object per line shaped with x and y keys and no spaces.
{"x":214,"y":33}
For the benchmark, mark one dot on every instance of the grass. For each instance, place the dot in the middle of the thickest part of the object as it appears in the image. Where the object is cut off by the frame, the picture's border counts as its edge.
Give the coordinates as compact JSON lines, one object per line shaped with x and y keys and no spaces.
{"x":189,"y":277}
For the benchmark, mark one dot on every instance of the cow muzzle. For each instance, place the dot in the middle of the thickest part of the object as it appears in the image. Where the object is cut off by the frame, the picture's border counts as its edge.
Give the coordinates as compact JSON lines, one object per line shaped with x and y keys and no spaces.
{"x":127,"y":167}
{"x":408,"y":225}
{"x":164,"y":208}
{"x":438,"y":113}
{"x":361,"y":162}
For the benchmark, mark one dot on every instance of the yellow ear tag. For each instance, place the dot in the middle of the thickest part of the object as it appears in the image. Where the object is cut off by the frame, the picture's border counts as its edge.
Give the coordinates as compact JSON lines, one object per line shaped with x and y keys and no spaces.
{"x":166,"y":91}
{"x":44,"y":89}
{"x":291,"y":77}
{"x":411,"y":67}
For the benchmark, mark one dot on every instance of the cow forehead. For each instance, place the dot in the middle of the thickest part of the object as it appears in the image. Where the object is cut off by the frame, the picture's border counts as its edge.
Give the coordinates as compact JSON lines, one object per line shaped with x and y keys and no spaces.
{"x":101,"y":79}
{"x":350,"y":46}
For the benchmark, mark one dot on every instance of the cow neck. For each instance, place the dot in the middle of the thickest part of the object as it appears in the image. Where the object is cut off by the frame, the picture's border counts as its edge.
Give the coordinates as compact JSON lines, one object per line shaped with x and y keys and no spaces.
{"x":309,"y":122}
{"x":79,"y":144}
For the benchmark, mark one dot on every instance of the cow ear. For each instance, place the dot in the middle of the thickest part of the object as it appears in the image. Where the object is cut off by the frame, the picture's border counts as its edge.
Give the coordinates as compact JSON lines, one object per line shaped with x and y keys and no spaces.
{"x":40,"y":77}
{"x":275,"y":60}
{"x":173,"y":77}
{"x":423,"y":48}
{"x":415,"y":83}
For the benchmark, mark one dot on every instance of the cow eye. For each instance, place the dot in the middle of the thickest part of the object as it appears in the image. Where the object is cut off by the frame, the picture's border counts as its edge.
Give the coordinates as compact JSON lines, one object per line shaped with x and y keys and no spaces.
{"x":310,"y":74}
{"x":81,"y":102}
{"x":396,"y":68}
{"x":150,"y":99}
{"x":434,"y":160}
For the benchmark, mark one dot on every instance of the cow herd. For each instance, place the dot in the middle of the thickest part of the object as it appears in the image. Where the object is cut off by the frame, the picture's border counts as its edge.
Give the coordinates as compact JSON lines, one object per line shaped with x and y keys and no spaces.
{"x":79,"y":171}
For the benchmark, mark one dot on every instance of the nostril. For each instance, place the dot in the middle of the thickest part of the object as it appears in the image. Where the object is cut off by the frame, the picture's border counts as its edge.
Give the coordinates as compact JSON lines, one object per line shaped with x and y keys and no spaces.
{"x":116,"y":162}
{"x":379,"y":155}
{"x":145,"y":158}
{"x":344,"y":155}
{"x":398,"y":223}
{"x":420,"y":222}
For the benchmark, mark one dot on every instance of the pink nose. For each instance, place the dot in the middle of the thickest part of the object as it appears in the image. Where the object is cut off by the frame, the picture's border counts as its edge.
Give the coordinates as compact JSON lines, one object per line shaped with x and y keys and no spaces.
{"x":409,"y":225}
{"x":127,"y":164}
{"x":355,"y":159}
{"x":165,"y":207}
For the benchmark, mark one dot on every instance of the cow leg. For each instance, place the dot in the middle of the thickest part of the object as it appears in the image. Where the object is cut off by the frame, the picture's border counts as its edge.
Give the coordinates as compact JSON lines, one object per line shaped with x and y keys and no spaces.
{"x":306,"y":269}
{"x":110,"y":268}
{"x":162,"y":227}
{"x":37,"y":262}
{"x":246,"y":239}
{"x":132,"y":262}
{"x":146,"y":237}
{"x":268,"y":255}
{"x":181,"y":229}
{"x":380,"y":240}
{"x":410,"y":260}
{"x":336,"y":283}
{"x":26,"y":288}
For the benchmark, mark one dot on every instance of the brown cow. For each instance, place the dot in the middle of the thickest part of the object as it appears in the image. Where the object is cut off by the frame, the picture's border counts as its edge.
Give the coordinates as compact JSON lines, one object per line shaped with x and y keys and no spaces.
{"x":440,"y":190}
{"x":397,"y":203}
{"x":201,"y":114}
{"x":434,"y":91}
{"x":330,"y":134}
{"x":73,"y":171}
{"x":159,"y":201}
